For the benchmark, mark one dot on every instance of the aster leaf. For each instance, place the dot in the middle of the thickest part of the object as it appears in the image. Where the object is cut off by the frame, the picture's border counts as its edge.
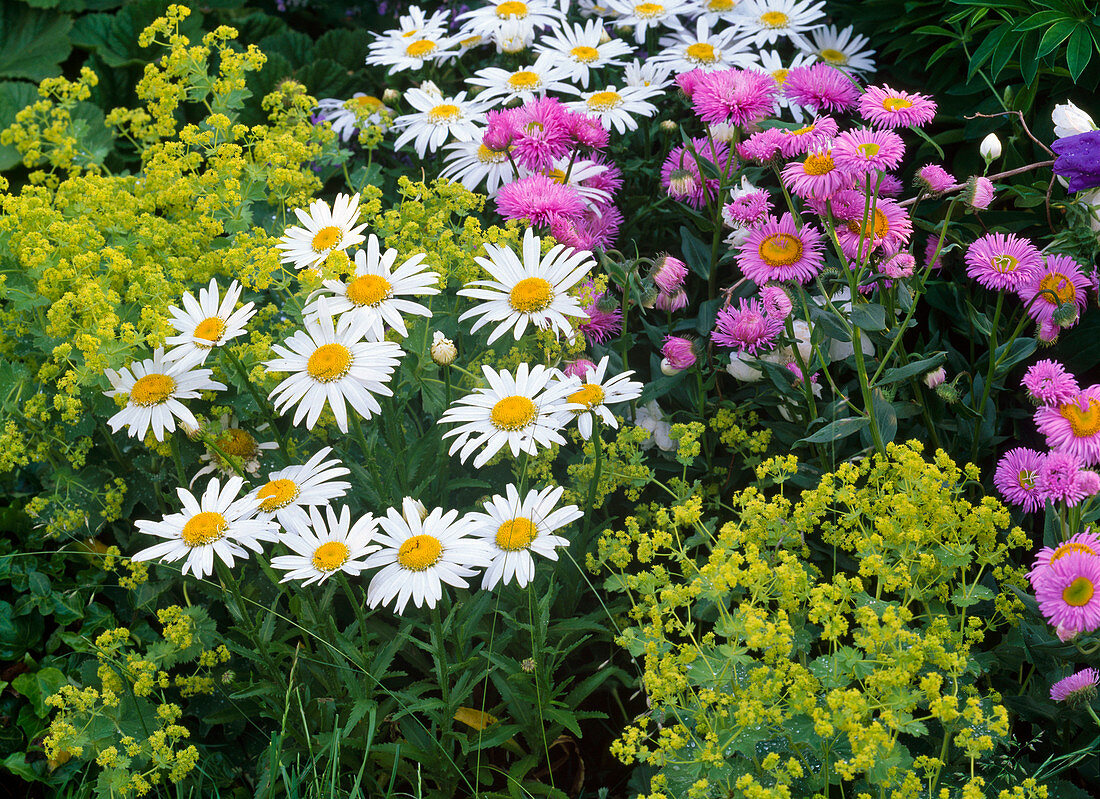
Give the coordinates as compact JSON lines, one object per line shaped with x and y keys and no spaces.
{"x":898,"y":373}
{"x":834,"y":431}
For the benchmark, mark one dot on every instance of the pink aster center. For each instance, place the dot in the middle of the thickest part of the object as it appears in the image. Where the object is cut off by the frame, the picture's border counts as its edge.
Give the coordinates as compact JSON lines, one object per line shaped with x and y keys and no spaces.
{"x":1060,"y":286}
{"x":1069,"y":548}
{"x":894,"y":104}
{"x":818,"y":164}
{"x":780,"y":249}
{"x":1004,"y":263}
{"x":1079,"y":593}
{"x":1026,"y":479}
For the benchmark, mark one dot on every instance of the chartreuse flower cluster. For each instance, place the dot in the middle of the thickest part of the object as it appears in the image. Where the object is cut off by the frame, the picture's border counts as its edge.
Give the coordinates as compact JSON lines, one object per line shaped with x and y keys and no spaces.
{"x":773,"y":671}
{"x":137,"y":682}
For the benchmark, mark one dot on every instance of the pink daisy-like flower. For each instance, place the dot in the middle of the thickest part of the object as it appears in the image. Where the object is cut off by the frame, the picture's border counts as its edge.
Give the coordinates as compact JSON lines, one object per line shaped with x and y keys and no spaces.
{"x":1069,"y":593}
{"x":813,"y":136}
{"x":1079,"y":687}
{"x":1058,"y":479}
{"x":671,"y":302}
{"x":888,"y":229}
{"x":1015,"y":478}
{"x":669,"y":273}
{"x":799,"y":375}
{"x":746,"y":327}
{"x":899,"y":265}
{"x":777,"y":302}
{"x":979,"y":192}
{"x":605,"y":317}
{"x":999,"y":261}
{"x":579,"y":368}
{"x":1085,"y":542}
{"x":821,"y":87}
{"x":588,"y":131}
{"x":736,"y":96}
{"x":602,"y":226}
{"x":680,"y":174}
{"x":934,"y":178}
{"x":817,"y":176}
{"x":689,"y":81}
{"x":538,"y":199}
{"x":884,"y":107}
{"x":863,"y":150}
{"x":609,"y":180}
{"x":779,"y":251}
{"x":749,"y":208}
{"x":542,"y":133}
{"x":1074,"y":426}
{"x":1088,"y":482}
{"x":499,"y":130}
{"x":679,"y":352}
{"x":762,"y":147}
{"x":1060,"y":282}
{"x":1048,"y":383}
{"x":933,"y":253}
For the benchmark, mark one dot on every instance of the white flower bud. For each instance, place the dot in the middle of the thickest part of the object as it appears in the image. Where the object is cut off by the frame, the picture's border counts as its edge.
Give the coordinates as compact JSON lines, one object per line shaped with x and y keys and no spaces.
{"x":391,"y":96}
{"x":443,"y":350}
{"x":1069,"y":120}
{"x":668,"y":369}
{"x":990,"y":148}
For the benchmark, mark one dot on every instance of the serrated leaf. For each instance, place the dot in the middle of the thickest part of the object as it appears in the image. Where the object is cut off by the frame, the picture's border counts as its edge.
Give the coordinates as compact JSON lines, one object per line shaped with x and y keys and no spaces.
{"x":33,"y":43}
{"x":14,"y":97}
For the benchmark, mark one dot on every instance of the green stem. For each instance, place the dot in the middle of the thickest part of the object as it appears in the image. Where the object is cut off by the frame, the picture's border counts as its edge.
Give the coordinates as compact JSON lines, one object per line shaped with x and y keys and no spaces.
{"x":990,"y":374}
{"x":597,"y":443}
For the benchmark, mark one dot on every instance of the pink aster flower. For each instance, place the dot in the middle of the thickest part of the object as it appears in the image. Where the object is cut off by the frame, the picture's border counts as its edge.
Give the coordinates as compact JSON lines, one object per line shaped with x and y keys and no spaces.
{"x":899,"y":265}
{"x":978,"y":193}
{"x":1079,"y":687}
{"x":933,"y":253}
{"x":746,"y":327}
{"x":588,"y":131}
{"x":762,"y":147}
{"x":669,"y":273}
{"x":679,"y":352}
{"x":821,"y":87}
{"x":888,"y":228}
{"x":813,"y":136}
{"x":934,"y":178}
{"x":863,"y":150}
{"x":689,"y":81}
{"x":884,"y":107}
{"x":578,"y":368}
{"x":749,"y":208}
{"x":1069,"y":593}
{"x":736,"y":96}
{"x":680,"y":174}
{"x":1085,"y":542}
{"x":817,"y":176}
{"x":1015,"y":478}
{"x":1058,"y":479}
{"x":999,"y":261}
{"x":605,"y":317}
{"x":1062,"y":277}
{"x":602,"y":225}
{"x":538,"y":199}
{"x":671,"y":302}
{"x":777,"y":302}
{"x":609,"y":180}
{"x":779,"y":251}
{"x":1074,"y":426}
{"x":541,"y":133}
{"x":885,"y":185}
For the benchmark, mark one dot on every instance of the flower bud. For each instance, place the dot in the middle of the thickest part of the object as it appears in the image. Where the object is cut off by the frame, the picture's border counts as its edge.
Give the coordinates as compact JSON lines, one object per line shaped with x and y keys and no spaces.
{"x":990,"y":148}
{"x":649,"y":293}
{"x":391,"y":96}
{"x":429,"y":87}
{"x":1069,"y":120}
{"x":1048,"y":332}
{"x":948,"y":393}
{"x":1065,"y":315}
{"x":935,"y":378}
{"x":673,"y":302}
{"x":669,"y":273}
{"x":668,"y":126}
{"x":679,"y":352}
{"x":979,"y":192}
{"x":443,"y":350}
{"x":668,"y":369}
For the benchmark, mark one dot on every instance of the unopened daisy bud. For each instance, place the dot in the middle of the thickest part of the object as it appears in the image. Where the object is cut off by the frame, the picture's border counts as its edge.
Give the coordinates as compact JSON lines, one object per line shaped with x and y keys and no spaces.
{"x":578,"y":368}
{"x":421,"y":510}
{"x":429,"y":87}
{"x":990,"y":148}
{"x":1065,"y":315}
{"x":668,"y":126}
{"x":443,"y":350}
{"x":682,"y":183}
{"x":673,"y":302}
{"x":669,"y":273}
{"x":978,"y":192}
{"x":649,"y":292}
{"x":935,"y":377}
{"x":391,"y":96}
{"x":723,"y":132}
{"x":948,"y":393}
{"x":679,"y":352}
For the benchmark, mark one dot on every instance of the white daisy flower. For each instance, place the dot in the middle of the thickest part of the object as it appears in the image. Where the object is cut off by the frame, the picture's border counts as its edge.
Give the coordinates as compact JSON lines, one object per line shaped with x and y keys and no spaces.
{"x":529,"y":15}
{"x":579,"y":49}
{"x":231,"y":440}
{"x":333,"y":368}
{"x":534,"y":290}
{"x":471,"y":163}
{"x":513,"y":529}
{"x":513,"y":36}
{"x":684,"y":51}
{"x":641,"y":16}
{"x":416,"y":23}
{"x":523,"y":84}
{"x":596,"y":393}
{"x":715,"y":11}
{"x":436,"y":119}
{"x":766,"y":20}
{"x":346,"y":116}
{"x":649,"y":75}
{"x":615,"y":108}
{"x":324,"y":230}
{"x":524,"y":412}
{"x":215,"y":524}
{"x":288,"y":492}
{"x":206,"y":323}
{"x":776,"y":66}
{"x":372,"y":297}
{"x":842,"y":49}
{"x":575,"y":173}
{"x":155,"y":387}
{"x":596,"y":8}
{"x":325,"y":549}
{"x":419,"y":553}
{"x":413,"y":52}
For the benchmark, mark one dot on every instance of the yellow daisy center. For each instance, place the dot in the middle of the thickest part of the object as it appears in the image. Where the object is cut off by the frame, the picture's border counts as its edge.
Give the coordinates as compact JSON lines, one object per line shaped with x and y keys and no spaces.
{"x":419,"y":552}
{"x":511,"y":8}
{"x":420,"y":48}
{"x":604,"y":101}
{"x":1062,"y":287}
{"x":1079,"y":593}
{"x":330,"y":556}
{"x":869,"y":149}
{"x":368,"y":290}
{"x":277,"y":494}
{"x":702,"y":52}
{"x":774,"y":19}
{"x":487,"y":155}
{"x":237,"y":442}
{"x":524,"y":79}
{"x":204,"y":528}
{"x":470,"y":42}
{"x":326,"y":237}
{"x":831,"y":56}
{"x":648,"y":10}
{"x":557,"y":174}
{"x":513,"y":413}
{"x":1083,"y":423}
{"x":531,"y":295}
{"x":780,"y":249}
{"x":895,"y":103}
{"x":210,"y":329}
{"x":780,"y":76}
{"x":818,"y":164}
{"x":153,"y":389}
{"x":880,"y":224}
{"x":444,"y":112}
{"x":329,"y":362}
{"x":1069,"y":548}
{"x":516,"y":534}
{"x":720,"y":5}
{"x":366,"y":102}
{"x":586,"y":55}
{"x":589,"y":395}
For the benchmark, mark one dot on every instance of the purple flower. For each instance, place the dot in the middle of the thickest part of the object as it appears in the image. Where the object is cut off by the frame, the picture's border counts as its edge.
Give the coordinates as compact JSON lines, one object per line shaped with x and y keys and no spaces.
{"x":746,"y":327}
{"x":1079,"y":159}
